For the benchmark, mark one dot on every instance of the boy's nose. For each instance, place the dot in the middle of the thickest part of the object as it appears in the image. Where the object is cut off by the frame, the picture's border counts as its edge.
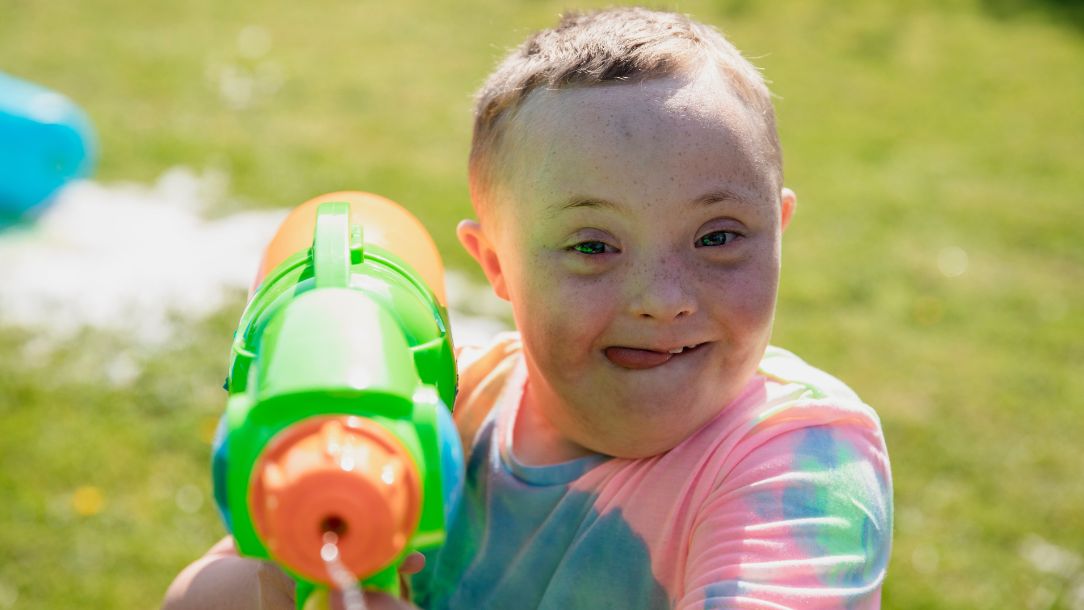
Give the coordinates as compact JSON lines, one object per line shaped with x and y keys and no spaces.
{"x":664,"y":295}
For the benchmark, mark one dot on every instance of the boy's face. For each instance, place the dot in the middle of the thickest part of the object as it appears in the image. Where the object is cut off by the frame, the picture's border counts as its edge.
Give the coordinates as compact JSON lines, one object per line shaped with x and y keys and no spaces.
{"x":629,"y":222}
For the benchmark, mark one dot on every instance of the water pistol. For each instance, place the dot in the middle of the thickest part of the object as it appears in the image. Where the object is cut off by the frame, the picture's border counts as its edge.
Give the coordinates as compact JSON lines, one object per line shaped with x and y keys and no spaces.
{"x":341,"y":378}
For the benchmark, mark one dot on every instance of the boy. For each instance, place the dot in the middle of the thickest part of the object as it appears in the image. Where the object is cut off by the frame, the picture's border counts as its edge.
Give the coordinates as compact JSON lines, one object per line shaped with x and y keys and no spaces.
{"x":637,"y":444}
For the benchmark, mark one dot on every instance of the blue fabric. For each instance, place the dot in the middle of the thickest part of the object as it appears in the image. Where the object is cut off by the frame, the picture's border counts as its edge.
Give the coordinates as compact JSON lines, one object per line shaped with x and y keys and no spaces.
{"x":551,"y":539}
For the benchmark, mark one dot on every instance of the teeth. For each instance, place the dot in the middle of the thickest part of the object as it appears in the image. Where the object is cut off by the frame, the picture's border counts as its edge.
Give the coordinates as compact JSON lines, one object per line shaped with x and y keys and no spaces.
{"x":677,"y":351}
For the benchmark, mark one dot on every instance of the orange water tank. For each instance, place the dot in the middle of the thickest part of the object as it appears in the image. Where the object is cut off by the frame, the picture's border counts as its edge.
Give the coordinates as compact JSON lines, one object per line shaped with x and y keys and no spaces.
{"x":384,"y":223}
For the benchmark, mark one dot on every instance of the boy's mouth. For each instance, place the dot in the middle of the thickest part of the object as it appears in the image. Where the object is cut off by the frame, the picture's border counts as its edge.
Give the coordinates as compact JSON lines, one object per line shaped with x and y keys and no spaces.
{"x":638,"y":358}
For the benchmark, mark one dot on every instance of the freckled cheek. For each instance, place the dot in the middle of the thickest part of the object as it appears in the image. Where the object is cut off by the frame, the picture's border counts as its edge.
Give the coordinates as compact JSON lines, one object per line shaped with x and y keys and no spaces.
{"x":564,"y":311}
{"x":759,"y":304}
{"x":745,"y":301}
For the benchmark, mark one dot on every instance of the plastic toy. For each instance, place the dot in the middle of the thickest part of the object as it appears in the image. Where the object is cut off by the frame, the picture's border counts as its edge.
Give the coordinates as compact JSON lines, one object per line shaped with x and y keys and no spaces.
{"x":45,"y":141}
{"x":341,"y":374}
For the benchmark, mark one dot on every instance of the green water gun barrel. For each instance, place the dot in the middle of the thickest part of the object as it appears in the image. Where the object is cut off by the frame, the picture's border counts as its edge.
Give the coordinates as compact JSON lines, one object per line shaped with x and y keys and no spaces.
{"x":337,"y":421}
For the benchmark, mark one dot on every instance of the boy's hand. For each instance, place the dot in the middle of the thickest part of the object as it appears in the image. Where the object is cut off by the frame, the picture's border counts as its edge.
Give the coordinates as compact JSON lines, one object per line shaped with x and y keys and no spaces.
{"x":276,"y":589}
{"x":224,"y":579}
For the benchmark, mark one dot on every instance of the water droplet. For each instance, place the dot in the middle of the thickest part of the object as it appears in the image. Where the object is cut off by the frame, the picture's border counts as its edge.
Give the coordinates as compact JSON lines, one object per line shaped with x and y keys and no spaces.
{"x":189,"y":498}
{"x":347,"y":461}
{"x":343,"y":580}
{"x":235,"y":86}
{"x":952,"y":261}
{"x":330,"y":551}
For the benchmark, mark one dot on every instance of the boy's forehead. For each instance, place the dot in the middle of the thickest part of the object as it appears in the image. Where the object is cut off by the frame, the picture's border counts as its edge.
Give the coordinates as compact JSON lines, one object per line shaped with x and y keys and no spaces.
{"x":704,"y":99}
{"x":551,"y":124}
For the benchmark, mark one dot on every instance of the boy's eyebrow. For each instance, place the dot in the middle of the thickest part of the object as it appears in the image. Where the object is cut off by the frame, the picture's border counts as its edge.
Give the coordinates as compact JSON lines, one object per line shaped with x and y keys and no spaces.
{"x":583,"y":202}
{"x":719,"y":197}
{"x":594,"y":202}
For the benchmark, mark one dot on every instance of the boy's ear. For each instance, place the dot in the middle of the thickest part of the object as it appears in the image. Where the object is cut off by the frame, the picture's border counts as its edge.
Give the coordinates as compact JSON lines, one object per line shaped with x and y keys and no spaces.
{"x":788,"y":201}
{"x":472,"y":237}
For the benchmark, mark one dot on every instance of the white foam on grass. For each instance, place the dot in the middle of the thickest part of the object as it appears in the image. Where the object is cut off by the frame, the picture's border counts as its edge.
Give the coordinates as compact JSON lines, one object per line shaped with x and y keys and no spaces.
{"x":128,"y":258}
{"x":125,"y":257}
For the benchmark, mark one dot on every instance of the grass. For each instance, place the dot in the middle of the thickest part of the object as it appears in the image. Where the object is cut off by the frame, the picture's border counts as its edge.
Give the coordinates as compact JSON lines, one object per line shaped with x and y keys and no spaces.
{"x":913,"y":133}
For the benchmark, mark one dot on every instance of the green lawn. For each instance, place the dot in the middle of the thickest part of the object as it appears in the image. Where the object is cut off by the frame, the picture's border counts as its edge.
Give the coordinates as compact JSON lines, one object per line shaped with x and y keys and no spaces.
{"x":935,"y":263}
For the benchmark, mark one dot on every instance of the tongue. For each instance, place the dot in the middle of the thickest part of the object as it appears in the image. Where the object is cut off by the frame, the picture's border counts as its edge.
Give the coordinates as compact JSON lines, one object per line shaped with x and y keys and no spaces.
{"x":632,"y":358}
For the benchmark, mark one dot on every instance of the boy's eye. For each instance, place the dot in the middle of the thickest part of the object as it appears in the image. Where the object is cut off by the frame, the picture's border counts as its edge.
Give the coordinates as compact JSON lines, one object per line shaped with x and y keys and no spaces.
{"x":591,"y":247}
{"x":716,"y":238}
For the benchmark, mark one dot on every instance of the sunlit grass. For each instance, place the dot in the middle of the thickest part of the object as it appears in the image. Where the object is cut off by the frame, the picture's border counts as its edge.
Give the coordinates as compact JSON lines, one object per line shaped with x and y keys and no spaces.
{"x":934,"y":263}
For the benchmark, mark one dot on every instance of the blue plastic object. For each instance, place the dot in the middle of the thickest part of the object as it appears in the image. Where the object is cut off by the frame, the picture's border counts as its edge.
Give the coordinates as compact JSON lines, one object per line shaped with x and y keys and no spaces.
{"x":45,"y":141}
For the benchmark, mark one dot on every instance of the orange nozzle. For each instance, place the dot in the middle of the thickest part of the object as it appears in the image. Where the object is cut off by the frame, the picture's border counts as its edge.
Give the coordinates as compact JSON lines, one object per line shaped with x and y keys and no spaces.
{"x":384,"y":223}
{"x":343,"y":474}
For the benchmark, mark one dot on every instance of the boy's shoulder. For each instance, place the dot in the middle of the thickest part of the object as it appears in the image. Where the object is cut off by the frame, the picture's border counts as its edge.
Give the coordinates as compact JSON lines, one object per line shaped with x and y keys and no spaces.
{"x":791,"y":393}
{"x":488,"y":354}
{"x":783,"y":367}
{"x":485,"y":372}
{"x":787,"y":400}
{"x":791,"y":417}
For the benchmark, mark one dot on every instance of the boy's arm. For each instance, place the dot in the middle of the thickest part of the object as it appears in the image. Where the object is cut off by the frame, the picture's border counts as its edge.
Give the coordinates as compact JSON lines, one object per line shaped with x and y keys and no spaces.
{"x":804,"y":520}
{"x":223,"y":579}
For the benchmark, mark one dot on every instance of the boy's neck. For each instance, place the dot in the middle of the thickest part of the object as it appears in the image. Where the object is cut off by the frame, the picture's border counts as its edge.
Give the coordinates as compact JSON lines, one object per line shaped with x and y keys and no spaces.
{"x":535,"y":441}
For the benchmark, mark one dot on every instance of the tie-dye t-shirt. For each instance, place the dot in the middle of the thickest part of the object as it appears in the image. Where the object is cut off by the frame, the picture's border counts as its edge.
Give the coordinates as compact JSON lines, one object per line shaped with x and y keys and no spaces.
{"x":784,"y":500}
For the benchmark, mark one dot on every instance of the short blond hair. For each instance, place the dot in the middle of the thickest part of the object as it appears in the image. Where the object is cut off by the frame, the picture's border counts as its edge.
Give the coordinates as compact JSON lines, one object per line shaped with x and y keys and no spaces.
{"x":609,"y":46}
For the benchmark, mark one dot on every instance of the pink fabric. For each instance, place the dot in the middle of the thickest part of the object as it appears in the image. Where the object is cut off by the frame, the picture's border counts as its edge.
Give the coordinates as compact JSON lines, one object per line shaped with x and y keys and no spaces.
{"x":784,"y":500}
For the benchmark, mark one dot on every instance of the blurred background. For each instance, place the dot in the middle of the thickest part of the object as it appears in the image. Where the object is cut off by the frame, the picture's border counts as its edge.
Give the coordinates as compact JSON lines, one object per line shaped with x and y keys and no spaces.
{"x":935,"y":263}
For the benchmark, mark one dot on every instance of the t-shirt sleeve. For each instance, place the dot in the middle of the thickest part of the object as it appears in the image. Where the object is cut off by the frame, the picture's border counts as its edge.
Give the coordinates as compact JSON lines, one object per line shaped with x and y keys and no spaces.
{"x":483,"y":374}
{"x":801,"y":519}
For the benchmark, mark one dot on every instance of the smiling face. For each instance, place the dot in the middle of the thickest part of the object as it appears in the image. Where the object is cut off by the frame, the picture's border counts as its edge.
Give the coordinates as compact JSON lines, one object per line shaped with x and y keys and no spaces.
{"x":636,"y":232}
